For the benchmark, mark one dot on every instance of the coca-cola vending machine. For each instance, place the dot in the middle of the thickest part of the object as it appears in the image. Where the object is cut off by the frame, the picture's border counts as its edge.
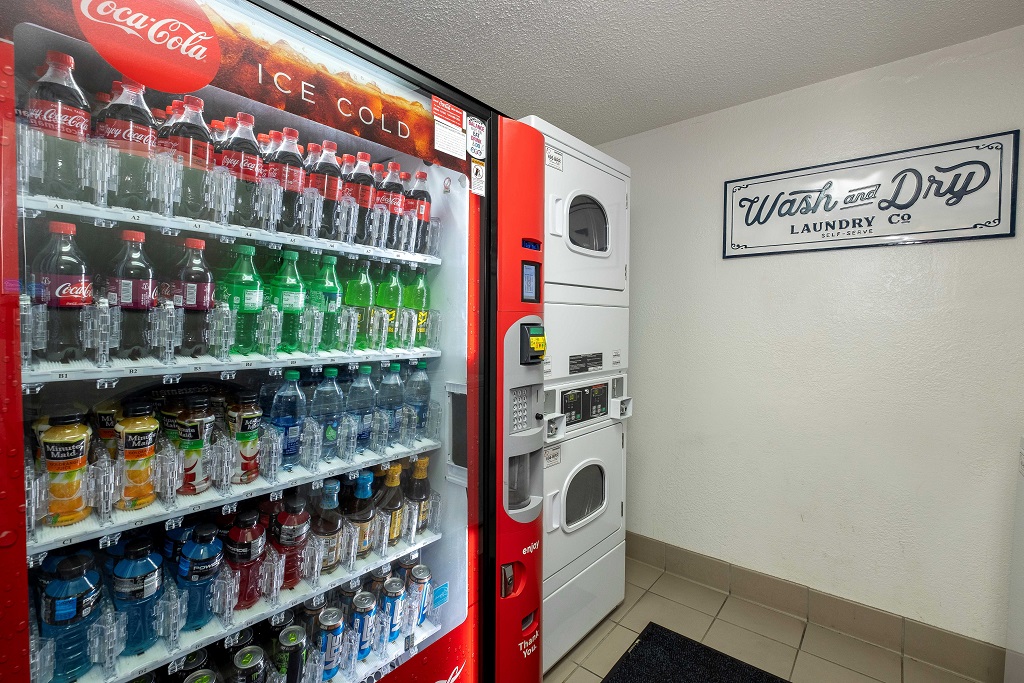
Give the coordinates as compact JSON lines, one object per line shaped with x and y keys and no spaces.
{"x":272,"y":349}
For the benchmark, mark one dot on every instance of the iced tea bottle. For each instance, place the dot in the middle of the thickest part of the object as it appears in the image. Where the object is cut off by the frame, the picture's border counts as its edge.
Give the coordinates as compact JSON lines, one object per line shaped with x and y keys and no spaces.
{"x":137,"y":432}
{"x":245,"y":549}
{"x":418,"y":491}
{"x":290,"y":535}
{"x":362,"y":513}
{"x":392,"y":503}
{"x":327,"y":525}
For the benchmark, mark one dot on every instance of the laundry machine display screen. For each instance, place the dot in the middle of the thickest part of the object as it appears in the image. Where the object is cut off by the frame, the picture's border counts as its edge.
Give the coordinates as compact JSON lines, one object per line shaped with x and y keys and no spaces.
{"x":586,"y":403}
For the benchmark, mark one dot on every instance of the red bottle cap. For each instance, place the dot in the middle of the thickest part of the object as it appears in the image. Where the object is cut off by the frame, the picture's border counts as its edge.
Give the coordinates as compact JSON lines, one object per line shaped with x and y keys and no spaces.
{"x":363,"y":156}
{"x":115,"y":89}
{"x":263,"y":138}
{"x":290,"y":133}
{"x":133,"y":236}
{"x":168,"y":110}
{"x":193,"y":243}
{"x":314,"y":148}
{"x":133,"y":85}
{"x":337,"y":160}
{"x":276,"y":135}
{"x":302,"y":150}
{"x":404,"y":176}
{"x":193,"y":102}
{"x":348,"y":159}
{"x":330,"y":146}
{"x":230,"y":121}
{"x":245,"y":119}
{"x":421,"y":175}
{"x":394,"y":167}
{"x":158,"y":113}
{"x":217,"y":124}
{"x":102,"y":97}
{"x":61,"y":228}
{"x":61,"y":59}
{"x":377,"y":168}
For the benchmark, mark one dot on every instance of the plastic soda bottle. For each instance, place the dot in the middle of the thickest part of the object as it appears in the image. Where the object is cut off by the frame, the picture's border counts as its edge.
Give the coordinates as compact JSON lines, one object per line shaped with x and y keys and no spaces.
{"x":200,"y":561}
{"x":360,"y":186}
{"x":69,"y":605}
{"x":243,"y":290}
{"x":389,"y":297}
{"x":416,"y":296}
{"x":284,"y":164}
{"x":138,"y":586}
{"x":62,"y":281}
{"x":361,"y":402}
{"x":328,"y":408}
{"x":417,"y":398}
{"x":189,"y":136}
{"x":290,"y":535}
{"x":325,"y":294}
{"x":325,"y":176}
{"x":390,"y":203}
{"x":288,"y":293}
{"x":240,"y":155}
{"x":193,"y":292}
{"x":245,"y":549}
{"x":287,"y":415}
{"x":418,"y":201}
{"x":359,"y":294}
{"x":132,"y":287}
{"x":56,"y":107}
{"x":391,"y":398}
{"x":128,"y":127}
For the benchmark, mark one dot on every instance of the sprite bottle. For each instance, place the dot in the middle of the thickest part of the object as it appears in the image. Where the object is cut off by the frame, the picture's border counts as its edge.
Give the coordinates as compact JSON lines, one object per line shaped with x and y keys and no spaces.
{"x":242,"y":289}
{"x":289,"y":295}
{"x":389,"y":297}
{"x":359,"y":294}
{"x":325,"y":294}
{"x":416,"y":296}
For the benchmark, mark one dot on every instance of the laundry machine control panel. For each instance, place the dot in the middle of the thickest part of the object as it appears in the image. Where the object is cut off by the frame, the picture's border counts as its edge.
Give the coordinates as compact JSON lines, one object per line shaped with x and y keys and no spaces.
{"x":585,"y":403}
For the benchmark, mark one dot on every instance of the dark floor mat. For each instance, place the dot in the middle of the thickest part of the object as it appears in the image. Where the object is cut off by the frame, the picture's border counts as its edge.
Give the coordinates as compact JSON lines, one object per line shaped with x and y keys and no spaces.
{"x":660,"y":655}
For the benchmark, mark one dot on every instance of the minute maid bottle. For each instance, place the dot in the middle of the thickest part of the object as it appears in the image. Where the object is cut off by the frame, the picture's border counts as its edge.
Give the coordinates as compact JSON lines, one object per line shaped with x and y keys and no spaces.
{"x":198,"y":566}
{"x":71,"y":604}
{"x":138,"y":585}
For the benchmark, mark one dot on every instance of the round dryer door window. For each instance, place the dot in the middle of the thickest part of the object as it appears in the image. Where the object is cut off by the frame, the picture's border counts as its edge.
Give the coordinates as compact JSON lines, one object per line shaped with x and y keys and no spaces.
{"x":585,"y":496}
{"x":588,"y":224}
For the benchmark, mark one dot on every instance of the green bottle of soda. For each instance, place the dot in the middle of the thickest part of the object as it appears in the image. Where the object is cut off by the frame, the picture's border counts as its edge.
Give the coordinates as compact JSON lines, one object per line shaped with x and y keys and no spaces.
{"x":416,"y":296}
{"x":359,"y":295}
{"x":289,"y":295}
{"x":271,"y":265}
{"x":389,"y":297}
{"x":242,"y":289}
{"x":325,"y":294}
{"x":308,"y":266}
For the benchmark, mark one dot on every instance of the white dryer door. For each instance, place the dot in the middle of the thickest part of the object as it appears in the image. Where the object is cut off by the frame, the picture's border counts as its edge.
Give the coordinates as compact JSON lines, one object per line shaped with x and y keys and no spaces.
{"x":583,"y":495}
{"x":588,"y":238}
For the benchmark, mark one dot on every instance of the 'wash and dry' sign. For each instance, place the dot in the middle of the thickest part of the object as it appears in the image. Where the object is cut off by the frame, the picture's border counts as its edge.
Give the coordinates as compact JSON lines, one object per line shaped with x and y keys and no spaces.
{"x":956,"y":190}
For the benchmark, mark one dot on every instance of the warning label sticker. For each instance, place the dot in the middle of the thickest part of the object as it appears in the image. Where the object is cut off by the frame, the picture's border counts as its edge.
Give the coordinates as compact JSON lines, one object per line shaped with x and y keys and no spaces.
{"x":449,"y":128}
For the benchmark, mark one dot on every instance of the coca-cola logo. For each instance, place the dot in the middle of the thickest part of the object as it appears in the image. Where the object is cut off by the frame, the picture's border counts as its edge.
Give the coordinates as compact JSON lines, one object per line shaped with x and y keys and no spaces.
{"x":74,"y":290}
{"x":168,"y":45}
{"x":244,"y":162}
{"x":128,"y":132}
{"x":59,"y":118}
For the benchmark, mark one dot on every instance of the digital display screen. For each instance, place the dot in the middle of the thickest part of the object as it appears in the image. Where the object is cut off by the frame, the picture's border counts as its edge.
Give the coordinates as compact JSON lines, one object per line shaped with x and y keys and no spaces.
{"x":531,"y":284}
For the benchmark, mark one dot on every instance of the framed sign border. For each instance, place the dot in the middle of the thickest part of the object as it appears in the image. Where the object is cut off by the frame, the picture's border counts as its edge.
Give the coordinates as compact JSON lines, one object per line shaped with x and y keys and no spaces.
{"x":1013,"y":200}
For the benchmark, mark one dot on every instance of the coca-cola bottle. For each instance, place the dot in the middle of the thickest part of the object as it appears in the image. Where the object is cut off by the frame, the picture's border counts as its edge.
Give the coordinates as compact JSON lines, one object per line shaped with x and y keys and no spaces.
{"x":132,"y":287}
{"x":263,"y":142}
{"x":312,"y":156}
{"x":276,"y":138}
{"x":62,"y":282}
{"x":418,"y":202}
{"x":56,"y":107}
{"x":348,"y":162}
{"x":325,"y":176}
{"x":230,"y":123}
{"x":377,"y":171}
{"x":405,"y":177}
{"x":363,"y":190}
{"x":241,"y":157}
{"x":102,"y":99}
{"x":190,"y":137}
{"x":128,"y":127}
{"x":216,"y":132}
{"x":193,"y":292}
{"x":285,"y":166}
{"x":177,"y":109}
{"x":389,"y":206}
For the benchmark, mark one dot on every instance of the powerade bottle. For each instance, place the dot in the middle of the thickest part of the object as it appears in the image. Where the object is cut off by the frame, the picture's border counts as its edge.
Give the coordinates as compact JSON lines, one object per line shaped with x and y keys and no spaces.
{"x":288,"y":293}
{"x":68,"y":607}
{"x":359,"y":294}
{"x":418,"y":201}
{"x":287,"y":415}
{"x":289,"y":537}
{"x":245,"y":550}
{"x":243,"y":289}
{"x":284,"y":164}
{"x":416,"y":296}
{"x":191,"y":139}
{"x":240,"y":155}
{"x":56,"y":106}
{"x":198,"y":565}
{"x":325,"y":176}
{"x":325,"y":294}
{"x":389,"y":297}
{"x":128,"y":127}
{"x":132,"y":288}
{"x":417,"y":398}
{"x":390,"y":398}
{"x":361,"y":401}
{"x":328,"y":407}
{"x":193,"y":292}
{"x":138,"y":585}
{"x":362,"y":189}
{"x":390,"y":205}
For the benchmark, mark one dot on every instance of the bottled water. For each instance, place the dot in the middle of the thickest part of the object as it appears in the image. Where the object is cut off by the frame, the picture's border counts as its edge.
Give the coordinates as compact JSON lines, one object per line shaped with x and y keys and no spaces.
{"x":390,"y":398}
{"x":328,"y":407}
{"x":417,"y":398}
{"x":287,"y":415}
{"x":361,"y":399}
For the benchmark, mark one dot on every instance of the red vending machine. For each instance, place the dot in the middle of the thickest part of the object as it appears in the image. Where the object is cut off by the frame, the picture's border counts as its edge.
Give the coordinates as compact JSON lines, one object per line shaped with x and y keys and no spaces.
{"x":271,"y":333}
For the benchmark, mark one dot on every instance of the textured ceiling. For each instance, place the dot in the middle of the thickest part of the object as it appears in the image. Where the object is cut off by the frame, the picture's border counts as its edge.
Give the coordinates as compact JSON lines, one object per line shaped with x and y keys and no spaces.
{"x":605,"y":69}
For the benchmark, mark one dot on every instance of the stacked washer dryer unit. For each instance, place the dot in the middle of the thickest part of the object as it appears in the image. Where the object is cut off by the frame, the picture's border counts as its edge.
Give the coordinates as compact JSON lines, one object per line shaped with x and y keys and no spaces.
{"x":586,"y":316}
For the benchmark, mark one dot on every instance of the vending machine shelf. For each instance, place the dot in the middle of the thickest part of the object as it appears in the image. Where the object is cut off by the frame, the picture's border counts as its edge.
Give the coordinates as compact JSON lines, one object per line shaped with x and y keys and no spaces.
{"x":49,"y":538}
{"x":45,"y":372}
{"x":158,"y":655}
{"x":34,"y":205}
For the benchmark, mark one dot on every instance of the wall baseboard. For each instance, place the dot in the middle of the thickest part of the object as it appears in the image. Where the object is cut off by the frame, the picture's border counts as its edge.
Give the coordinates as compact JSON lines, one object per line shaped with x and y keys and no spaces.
{"x":975,"y":659}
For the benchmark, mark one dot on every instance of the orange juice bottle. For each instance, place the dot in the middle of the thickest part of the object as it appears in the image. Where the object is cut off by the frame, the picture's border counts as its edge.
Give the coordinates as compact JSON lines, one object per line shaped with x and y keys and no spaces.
{"x":65,"y":447}
{"x":137,"y":430}
{"x":106,"y":415}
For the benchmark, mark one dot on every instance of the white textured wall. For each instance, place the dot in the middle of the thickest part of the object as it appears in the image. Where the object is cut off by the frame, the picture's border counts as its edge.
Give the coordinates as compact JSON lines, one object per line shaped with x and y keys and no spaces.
{"x":848,"y":419}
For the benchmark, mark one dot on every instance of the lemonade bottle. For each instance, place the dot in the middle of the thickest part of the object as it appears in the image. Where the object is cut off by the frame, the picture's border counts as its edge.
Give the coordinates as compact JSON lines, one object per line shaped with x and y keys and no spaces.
{"x":65,"y":447}
{"x":136,"y":445}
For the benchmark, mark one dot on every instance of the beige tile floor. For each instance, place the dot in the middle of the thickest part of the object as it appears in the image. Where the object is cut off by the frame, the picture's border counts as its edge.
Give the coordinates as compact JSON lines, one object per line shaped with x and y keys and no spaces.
{"x":771,"y":640}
